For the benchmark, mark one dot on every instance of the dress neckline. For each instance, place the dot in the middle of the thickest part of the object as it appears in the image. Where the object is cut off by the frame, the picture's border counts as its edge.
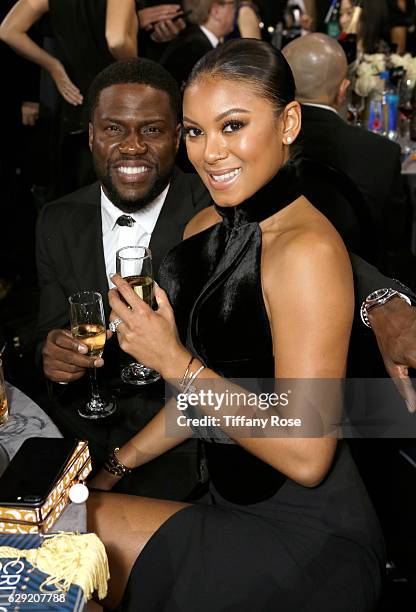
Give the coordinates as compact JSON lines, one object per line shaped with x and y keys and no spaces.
{"x":281,"y":190}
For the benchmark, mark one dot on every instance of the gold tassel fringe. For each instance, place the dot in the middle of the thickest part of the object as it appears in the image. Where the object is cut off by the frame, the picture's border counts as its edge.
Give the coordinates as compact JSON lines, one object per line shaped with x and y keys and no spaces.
{"x":68,"y":558}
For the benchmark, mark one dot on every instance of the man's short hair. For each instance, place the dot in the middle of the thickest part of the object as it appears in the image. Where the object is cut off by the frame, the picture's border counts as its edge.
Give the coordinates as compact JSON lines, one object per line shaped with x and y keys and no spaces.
{"x":140,"y":71}
{"x":200,"y":10}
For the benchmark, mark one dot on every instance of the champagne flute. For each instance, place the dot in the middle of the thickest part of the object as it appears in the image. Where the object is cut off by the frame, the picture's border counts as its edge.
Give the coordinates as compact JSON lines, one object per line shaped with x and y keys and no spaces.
{"x":134,"y":264}
{"x":88,"y":326}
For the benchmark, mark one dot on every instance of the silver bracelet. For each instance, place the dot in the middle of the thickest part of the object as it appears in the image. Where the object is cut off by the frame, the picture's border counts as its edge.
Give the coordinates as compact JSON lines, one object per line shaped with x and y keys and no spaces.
{"x":189,"y":387}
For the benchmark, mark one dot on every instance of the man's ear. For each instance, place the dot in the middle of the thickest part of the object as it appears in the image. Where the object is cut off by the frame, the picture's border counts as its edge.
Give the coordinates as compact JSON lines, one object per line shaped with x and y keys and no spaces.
{"x":342,"y":92}
{"x":90,"y":135}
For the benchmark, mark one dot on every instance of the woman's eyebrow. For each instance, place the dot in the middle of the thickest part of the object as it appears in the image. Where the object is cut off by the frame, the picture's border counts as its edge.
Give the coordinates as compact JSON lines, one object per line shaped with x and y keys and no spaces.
{"x":230,"y":112}
{"x":221,"y":115}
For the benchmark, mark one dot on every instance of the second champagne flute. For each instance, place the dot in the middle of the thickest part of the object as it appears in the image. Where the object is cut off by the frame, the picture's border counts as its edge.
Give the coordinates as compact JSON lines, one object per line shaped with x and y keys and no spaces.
{"x":134,"y":264}
{"x":88,"y":326}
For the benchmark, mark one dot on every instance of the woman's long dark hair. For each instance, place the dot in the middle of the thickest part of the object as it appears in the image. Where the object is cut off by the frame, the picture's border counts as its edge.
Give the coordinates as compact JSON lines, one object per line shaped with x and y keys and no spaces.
{"x":253,"y":62}
{"x":374,"y":26}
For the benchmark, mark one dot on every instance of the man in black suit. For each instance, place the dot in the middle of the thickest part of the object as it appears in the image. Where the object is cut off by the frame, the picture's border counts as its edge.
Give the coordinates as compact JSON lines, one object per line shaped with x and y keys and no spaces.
{"x":134,"y":135}
{"x":210,"y":21}
{"x":370,"y":161}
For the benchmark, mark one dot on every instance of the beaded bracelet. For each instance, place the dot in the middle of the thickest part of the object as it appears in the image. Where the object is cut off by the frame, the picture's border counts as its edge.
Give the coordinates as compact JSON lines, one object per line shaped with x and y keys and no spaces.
{"x":114,"y":466}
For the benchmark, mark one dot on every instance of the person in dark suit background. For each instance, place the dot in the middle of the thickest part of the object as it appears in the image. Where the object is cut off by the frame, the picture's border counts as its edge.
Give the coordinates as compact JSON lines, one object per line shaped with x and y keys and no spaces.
{"x":89,"y":35}
{"x":210,"y":21}
{"x":134,"y":135}
{"x":370,"y":161}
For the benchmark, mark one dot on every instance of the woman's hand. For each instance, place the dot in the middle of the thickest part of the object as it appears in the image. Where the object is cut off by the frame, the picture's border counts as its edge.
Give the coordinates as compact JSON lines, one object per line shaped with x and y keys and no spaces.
{"x":66,"y":88}
{"x":149,"y":336}
{"x":149,"y":16}
{"x":165,"y":31}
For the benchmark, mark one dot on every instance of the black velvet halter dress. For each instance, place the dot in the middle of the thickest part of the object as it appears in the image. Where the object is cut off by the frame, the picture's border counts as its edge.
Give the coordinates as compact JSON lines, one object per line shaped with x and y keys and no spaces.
{"x":261,"y":542}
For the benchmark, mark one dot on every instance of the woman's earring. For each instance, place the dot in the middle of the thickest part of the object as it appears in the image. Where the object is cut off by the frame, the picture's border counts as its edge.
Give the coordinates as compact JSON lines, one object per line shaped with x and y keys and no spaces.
{"x":288,"y":140}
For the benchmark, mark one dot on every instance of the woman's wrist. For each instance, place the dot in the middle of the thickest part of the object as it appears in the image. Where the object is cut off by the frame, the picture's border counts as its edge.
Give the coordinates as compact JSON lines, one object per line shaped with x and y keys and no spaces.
{"x":52,"y":65}
{"x":176,"y":365}
{"x":115,"y":465}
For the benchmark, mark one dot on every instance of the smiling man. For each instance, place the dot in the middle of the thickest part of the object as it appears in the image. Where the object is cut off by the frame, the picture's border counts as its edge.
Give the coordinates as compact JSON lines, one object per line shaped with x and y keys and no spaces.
{"x":140,"y":198}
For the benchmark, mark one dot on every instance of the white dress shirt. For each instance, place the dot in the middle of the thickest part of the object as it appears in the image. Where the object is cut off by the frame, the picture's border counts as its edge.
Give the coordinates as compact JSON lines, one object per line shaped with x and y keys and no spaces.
{"x":211,"y":37}
{"x":324,"y":106}
{"x":115,"y":236}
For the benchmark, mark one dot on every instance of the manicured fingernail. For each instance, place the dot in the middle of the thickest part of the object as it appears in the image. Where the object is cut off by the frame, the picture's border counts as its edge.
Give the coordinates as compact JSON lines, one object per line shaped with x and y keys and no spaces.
{"x":98,"y":363}
{"x":82,"y":348}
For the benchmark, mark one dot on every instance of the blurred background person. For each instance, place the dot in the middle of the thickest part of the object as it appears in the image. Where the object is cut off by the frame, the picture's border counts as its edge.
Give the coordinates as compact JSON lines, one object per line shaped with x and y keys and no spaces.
{"x":319,"y":66}
{"x":373,"y":34}
{"x":89,"y":34}
{"x":402,"y":17}
{"x":159,"y":24}
{"x":210,"y":21}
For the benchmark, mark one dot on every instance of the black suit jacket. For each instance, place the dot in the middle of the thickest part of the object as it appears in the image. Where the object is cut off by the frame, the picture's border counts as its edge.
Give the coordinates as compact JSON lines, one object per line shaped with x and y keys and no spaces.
{"x":69,"y":247}
{"x":183,"y":53}
{"x":372,"y":163}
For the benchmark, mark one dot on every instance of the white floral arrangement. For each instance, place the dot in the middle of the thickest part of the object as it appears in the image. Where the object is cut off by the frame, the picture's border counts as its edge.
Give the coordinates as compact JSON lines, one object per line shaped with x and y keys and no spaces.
{"x":407,"y":62}
{"x":368,"y":69}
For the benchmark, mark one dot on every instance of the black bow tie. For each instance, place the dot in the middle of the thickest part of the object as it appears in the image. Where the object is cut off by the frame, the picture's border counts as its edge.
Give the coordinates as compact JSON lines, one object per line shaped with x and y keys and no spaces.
{"x":126,"y":220}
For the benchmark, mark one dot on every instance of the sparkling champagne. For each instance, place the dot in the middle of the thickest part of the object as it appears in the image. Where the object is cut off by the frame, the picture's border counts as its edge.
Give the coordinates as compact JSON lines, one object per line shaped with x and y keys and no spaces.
{"x":4,"y":409}
{"x":93,"y":335}
{"x":142,"y":286}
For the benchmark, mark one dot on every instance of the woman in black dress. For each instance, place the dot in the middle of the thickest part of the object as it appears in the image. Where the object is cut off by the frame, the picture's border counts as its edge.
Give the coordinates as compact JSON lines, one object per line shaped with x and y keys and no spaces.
{"x":261,"y":289}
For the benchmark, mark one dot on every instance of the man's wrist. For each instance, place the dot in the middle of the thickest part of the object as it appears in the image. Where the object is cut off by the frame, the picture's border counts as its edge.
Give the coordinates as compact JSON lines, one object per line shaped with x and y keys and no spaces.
{"x":380,"y":314}
{"x":378,"y":299}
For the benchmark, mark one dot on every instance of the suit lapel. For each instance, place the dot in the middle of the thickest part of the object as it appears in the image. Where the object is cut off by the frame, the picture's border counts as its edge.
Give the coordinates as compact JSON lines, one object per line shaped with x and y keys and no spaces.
{"x":87,"y":253}
{"x":176,"y":211}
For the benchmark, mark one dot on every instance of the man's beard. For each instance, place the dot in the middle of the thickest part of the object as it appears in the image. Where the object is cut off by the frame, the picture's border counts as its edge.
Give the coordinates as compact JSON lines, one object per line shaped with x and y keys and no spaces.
{"x":130,"y":205}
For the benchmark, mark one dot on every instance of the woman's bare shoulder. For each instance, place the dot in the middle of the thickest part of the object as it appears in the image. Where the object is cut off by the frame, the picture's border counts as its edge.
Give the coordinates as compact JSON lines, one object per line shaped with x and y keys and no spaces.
{"x":306,"y":237}
{"x":201,"y":221}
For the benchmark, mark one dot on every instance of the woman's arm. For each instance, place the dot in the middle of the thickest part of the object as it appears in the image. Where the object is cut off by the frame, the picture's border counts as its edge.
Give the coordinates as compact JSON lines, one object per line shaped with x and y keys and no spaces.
{"x":311,"y":329}
{"x":13,"y":31}
{"x":121,"y":28}
{"x":151,"y":442}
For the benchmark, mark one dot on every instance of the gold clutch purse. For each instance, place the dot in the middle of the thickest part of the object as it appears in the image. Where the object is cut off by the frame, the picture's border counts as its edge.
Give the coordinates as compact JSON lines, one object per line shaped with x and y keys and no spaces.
{"x":34,"y":489}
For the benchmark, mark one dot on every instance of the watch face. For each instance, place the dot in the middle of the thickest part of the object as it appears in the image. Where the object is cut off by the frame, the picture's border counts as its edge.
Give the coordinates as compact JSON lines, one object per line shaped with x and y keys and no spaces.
{"x":379,"y":294}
